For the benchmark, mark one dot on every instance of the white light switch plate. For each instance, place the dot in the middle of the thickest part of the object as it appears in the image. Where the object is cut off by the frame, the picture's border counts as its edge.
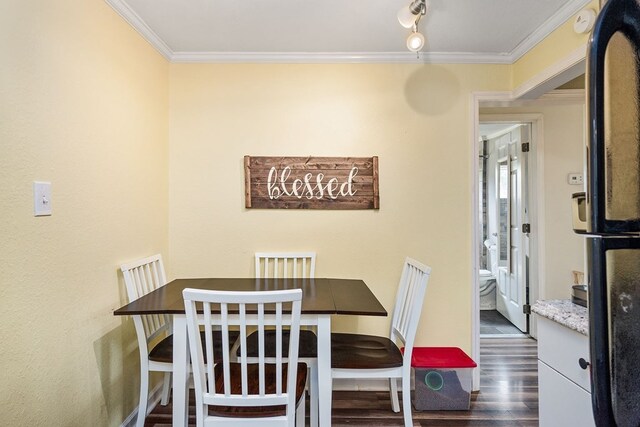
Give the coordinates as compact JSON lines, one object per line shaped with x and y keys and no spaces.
{"x":41,"y":198}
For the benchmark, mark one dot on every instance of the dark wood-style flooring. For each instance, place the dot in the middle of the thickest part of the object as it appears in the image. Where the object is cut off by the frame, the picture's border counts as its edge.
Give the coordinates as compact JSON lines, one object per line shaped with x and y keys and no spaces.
{"x":508,"y":395}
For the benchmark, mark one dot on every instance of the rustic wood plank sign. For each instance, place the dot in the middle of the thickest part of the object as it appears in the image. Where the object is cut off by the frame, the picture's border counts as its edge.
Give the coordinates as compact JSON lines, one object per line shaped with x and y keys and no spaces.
{"x":311,"y":182}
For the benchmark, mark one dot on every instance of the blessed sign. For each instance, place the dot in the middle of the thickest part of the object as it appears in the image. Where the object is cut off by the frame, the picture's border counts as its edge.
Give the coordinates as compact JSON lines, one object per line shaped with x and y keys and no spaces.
{"x":311,"y":182}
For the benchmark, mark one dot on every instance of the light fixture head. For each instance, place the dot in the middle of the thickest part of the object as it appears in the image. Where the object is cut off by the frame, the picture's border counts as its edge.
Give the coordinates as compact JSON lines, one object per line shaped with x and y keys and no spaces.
{"x":415,"y":41}
{"x":409,"y":15}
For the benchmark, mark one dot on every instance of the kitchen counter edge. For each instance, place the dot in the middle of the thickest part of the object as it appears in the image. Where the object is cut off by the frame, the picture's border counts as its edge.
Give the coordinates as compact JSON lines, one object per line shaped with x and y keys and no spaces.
{"x":565,"y":313}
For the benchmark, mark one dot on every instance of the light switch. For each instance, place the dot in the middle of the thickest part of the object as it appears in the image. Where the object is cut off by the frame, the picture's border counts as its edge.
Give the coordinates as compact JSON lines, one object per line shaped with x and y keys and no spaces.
{"x":41,"y":198}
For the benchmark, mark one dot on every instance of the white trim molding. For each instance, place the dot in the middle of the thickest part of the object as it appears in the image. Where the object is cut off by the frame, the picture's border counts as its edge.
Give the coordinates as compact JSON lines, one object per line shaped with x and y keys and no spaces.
{"x":338,"y":58}
{"x":554,"y":97}
{"x":536,"y":197}
{"x":536,"y":204}
{"x":567,"y":10}
{"x":129,"y":15}
{"x":476,"y":99}
{"x":562,"y":71}
{"x":562,"y":15}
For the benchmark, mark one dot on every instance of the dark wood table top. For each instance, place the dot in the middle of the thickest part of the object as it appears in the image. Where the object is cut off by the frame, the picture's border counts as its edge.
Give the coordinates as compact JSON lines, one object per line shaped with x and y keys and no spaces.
{"x":319,"y":296}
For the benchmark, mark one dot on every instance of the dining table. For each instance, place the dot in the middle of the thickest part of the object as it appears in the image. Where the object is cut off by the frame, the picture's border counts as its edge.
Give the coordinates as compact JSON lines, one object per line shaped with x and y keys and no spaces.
{"x":322,"y":298}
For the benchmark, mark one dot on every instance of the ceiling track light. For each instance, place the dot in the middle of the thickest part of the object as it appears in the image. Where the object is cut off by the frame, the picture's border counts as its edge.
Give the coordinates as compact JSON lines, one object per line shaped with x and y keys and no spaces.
{"x":409,"y":16}
{"x":415,"y":41}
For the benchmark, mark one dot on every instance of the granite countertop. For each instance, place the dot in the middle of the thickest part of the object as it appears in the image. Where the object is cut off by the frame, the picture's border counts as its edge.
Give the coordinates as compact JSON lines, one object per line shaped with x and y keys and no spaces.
{"x":565,"y":313}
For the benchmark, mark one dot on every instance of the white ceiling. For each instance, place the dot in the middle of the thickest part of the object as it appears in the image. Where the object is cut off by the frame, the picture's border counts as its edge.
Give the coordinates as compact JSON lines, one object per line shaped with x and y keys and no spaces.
{"x":493,"y":31}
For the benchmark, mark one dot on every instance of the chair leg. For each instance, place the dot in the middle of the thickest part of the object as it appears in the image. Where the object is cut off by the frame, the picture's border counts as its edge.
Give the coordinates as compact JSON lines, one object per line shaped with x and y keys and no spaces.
{"x":393,"y":391}
{"x":406,"y":402}
{"x":314,"y":393}
{"x":166,"y":389}
{"x":144,"y":397}
{"x":301,"y":412}
{"x":233,"y":353}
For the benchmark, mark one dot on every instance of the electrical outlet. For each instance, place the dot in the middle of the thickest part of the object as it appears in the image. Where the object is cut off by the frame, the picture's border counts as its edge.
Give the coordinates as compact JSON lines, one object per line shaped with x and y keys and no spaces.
{"x":41,"y":198}
{"x":575,"y":179}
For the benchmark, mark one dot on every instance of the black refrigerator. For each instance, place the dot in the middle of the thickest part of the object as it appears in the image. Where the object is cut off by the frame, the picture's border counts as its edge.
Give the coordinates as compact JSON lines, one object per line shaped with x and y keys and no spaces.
{"x":613,"y":213}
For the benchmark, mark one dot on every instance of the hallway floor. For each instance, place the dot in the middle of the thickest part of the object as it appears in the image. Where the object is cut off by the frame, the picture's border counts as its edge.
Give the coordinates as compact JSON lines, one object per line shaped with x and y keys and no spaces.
{"x":495,"y":324}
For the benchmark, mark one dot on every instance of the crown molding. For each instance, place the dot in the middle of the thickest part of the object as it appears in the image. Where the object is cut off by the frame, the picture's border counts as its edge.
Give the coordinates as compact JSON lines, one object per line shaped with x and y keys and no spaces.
{"x":337,"y":57}
{"x":567,"y":10}
{"x":140,"y":26}
{"x":561,"y":16}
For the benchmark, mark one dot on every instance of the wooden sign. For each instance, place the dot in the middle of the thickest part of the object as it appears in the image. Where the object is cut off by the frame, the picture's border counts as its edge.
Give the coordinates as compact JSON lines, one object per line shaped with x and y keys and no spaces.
{"x":311,"y":182}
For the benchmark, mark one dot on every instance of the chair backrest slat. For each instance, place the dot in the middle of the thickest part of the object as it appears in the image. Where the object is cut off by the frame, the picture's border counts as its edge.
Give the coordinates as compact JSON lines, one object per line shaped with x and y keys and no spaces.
{"x":285,"y":265}
{"x":278,"y":348}
{"x":245,"y":311}
{"x":409,"y":300}
{"x":261,"y":349}
{"x":141,"y":277}
{"x":243,"y":328}
{"x":208,"y":337}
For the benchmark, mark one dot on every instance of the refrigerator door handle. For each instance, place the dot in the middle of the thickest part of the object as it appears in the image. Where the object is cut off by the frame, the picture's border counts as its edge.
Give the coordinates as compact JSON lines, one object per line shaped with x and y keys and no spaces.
{"x":615,"y":16}
{"x":599,"y":334}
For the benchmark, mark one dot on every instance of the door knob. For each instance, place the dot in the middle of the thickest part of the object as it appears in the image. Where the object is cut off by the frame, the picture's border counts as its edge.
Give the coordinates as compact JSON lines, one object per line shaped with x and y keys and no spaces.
{"x":583,"y":363}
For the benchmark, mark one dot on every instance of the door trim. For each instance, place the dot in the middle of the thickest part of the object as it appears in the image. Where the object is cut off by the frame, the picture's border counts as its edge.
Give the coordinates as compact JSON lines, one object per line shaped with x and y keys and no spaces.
{"x":536,"y":206}
{"x":535,"y":185}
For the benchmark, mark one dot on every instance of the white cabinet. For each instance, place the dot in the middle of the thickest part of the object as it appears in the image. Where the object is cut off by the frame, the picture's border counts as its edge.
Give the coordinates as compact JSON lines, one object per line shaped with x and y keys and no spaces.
{"x":563,"y":385}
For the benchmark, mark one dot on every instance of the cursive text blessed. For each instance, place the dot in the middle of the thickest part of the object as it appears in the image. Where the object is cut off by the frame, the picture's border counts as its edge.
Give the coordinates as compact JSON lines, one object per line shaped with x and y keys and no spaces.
{"x":309,"y":187}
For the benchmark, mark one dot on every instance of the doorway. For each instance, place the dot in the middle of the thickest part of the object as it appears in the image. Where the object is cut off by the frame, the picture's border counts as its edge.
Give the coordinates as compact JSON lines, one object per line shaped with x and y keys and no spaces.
{"x":503,"y":212}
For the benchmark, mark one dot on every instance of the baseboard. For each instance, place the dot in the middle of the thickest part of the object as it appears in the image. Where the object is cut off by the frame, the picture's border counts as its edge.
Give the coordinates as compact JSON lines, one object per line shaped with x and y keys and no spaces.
{"x":154,"y":398}
{"x":349,"y":384}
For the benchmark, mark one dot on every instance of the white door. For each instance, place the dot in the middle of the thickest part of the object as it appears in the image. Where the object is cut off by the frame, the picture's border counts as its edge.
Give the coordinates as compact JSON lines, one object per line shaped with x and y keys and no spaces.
{"x":513,"y":243}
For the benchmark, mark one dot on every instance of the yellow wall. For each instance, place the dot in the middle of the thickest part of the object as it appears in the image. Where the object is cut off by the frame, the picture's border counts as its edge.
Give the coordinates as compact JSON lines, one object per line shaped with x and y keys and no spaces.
{"x":83,"y":104}
{"x":551,"y":50}
{"x":146,"y":157}
{"x":415,"y":118}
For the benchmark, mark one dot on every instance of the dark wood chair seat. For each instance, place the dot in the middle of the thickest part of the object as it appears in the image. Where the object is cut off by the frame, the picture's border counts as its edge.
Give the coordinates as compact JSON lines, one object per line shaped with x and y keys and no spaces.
{"x":369,"y":356}
{"x":253,"y":384}
{"x":356,"y":351}
{"x":308,"y":347}
{"x":163,"y":351}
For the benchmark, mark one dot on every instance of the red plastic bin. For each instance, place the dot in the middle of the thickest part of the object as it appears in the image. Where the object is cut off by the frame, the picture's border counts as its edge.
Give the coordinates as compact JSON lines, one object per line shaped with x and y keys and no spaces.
{"x":443,"y":378}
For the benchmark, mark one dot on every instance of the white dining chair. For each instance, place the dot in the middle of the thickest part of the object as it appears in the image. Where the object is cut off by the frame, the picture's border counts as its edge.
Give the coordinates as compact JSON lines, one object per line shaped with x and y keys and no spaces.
{"x":367,"y":356}
{"x":282,"y":265}
{"x":154,"y":332}
{"x":291,"y":265}
{"x":140,"y":278}
{"x":236,"y":392}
